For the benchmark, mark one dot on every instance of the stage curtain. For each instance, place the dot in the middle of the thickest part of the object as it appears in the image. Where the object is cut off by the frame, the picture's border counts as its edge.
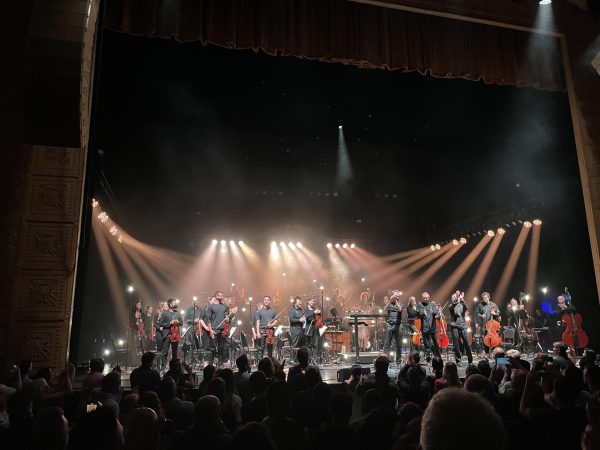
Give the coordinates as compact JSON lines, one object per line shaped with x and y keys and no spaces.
{"x":351,"y":33}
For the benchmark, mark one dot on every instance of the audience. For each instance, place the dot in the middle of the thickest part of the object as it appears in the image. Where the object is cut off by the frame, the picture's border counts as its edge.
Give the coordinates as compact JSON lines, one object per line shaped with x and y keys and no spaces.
{"x":145,"y":378}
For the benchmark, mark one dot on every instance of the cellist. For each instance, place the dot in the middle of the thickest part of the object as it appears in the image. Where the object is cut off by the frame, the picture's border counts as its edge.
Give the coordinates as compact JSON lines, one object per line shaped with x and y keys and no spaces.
{"x":458,"y":326}
{"x":411,"y":315}
{"x":486,"y":310}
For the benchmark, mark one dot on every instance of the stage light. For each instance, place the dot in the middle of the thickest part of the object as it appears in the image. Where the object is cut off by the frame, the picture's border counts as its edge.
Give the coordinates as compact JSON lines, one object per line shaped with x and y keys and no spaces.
{"x":94,"y":203}
{"x":380,"y":311}
{"x":400,"y":293}
{"x":527,"y":224}
{"x":501,"y":231}
{"x":120,"y":239}
{"x":545,"y":2}
{"x":239,"y":322}
{"x":214,"y":242}
{"x":194,"y":298}
{"x":113,"y":230}
{"x":352,"y":245}
{"x":392,"y":353}
{"x":106,"y":352}
{"x":544,"y":290}
{"x":273,"y":243}
{"x":340,"y":127}
{"x":454,"y":242}
{"x":284,"y":274}
{"x":463,"y":240}
{"x":249,"y":299}
{"x":232,"y":284}
{"x":240,"y":243}
{"x":514,"y":308}
{"x":232,"y":243}
{"x":433,"y":248}
{"x":475,"y":299}
{"x":329,"y":245}
{"x":438,"y":246}
{"x":103,"y":216}
{"x":337,"y":245}
{"x":321,"y":288}
{"x":130,"y":289}
{"x":345,"y":245}
{"x":527,"y":297}
{"x":120,"y":342}
{"x":299,"y":244}
{"x":243,"y":309}
{"x":537,"y":222}
{"x":491,"y":233}
{"x":363,"y":279}
{"x":282,"y":244}
{"x":223,"y":242}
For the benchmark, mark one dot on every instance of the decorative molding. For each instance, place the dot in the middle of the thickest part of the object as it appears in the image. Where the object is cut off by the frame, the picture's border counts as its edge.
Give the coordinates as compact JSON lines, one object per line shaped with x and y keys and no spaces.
{"x":48,"y":246}
{"x":44,"y":295}
{"x":58,"y":161}
{"x":53,"y":199}
{"x":44,"y":342}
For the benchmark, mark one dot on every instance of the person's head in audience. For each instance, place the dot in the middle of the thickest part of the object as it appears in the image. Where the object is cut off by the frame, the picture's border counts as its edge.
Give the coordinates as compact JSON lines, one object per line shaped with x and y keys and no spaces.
{"x":167,"y":389}
{"x":451,"y":374}
{"x":303,"y":356}
{"x":142,"y":430}
{"x":227,"y":375}
{"x":258,"y":383}
{"x":560,"y":349}
{"x":150,"y":399}
{"x":471,"y":369}
{"x":279,"y":397}
{"x":208,"y":372}
{"x":242,"y":363}
{"x":97,"y":430}
{"x":414,"y":358}
{"x":565,"y":393}
{"x":127,"y":404}
{"x":371,"y":400}
{"x":321,"y":394}
{"x":591,"y":377}
{"x":340,"y":408}
{"x":216,"y":387}
{"x":356,"y":372}
{"x":175,"y":366}
{"x":382,"y":364}
{"x":207,"y":411}
{"x":111,"y":383}
{"x":484,"y":368}
{"x":589,"y":357}
{"x":452,"y":407}
{"x":518,"y":377}
{"x":148,"y":360}
{"x":97,"y":365}
{"x":25,"y":368}
{"x":313,"y":377}
{"x":478,"y":384}
{"x":575,"y":377}
{"x":298,"y":383}
{"x":45,"y":373}
{"x":437,"y":366}
{"x":252,"y":436}
{"x":50,"y":430}
{"x":414,"y":376}
{"x":266,"y":366}
{"x":408,"y":411}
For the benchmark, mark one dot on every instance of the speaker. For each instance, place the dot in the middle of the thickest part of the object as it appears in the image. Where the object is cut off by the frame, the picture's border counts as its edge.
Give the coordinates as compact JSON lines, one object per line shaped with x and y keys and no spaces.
{"x":344,"y":374}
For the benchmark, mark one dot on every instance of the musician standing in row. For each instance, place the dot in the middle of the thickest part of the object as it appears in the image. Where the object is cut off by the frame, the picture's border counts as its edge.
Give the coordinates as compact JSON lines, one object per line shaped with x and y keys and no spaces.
{"x":216,"y":315}
{"x":168,"y":324}
{"x":411,"y":315}
{"x":297,"y":322}
{"x":193,"y":335}
{"x":515,"y":315}
{"x":486,"y":311}
{"x":393,"y":325}
{"x":265,"y":318}
{"x":428,"y":312}
{"x":311,"y":331}
{"x":458,"y":326}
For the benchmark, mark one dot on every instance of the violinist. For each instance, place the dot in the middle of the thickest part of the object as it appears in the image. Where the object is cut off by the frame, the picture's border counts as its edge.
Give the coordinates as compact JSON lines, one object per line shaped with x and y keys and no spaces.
{"x":216,"y":315}
{"x":138,"y":325}
{"x":192,"y":318}
{"x":458,"y":326}
{"x":297,"y":325}
{"x":311,"y":331}
{"x":169,"y":322}
{"x":265,"y":318}
{"x":148,"y":321}
{"x":428,"y":313}
{"x":393,"y":325}
{"x":486,"y":311}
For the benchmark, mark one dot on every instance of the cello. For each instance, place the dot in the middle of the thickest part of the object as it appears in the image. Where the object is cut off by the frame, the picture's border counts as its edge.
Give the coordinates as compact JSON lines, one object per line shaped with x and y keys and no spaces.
{"x":492,"y":338}
{"x":573,"y":336}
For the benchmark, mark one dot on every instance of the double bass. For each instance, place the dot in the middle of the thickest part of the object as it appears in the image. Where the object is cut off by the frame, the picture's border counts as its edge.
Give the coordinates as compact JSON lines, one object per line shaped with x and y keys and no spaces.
{"x":573,"y":336}
{"x":492,"y":338}
{"x":416,"y":336}
{"x":442,"y":336}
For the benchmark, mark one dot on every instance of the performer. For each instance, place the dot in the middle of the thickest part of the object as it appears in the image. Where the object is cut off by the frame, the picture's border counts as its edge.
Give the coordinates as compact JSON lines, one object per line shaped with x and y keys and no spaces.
{"x":229,"y":341}
{"x":217,"y":314}
{"x":265,"y":318}
{"x":193,"y":335}
{"x":486,"y":311}
{"x":515,"y":316}
{"x":393,"y":325}
{"x":311,"y":331}
{"x":428,"y":312}
{"x":411,"y":315}
{"x":148,"y":320}
{"x":160,"y":335}
{"x":254,"y":319}
{"x":169,"y":323}
{"x":297,"y":322}
{"x":206,"y":341}
{"x":458,"y":326}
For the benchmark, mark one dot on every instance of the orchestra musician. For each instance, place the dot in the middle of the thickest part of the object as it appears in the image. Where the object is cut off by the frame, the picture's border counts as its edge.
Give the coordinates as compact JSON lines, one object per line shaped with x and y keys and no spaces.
{"x":148,"y":322}
{"x":170,"y":316}
{"x":311,"y":331}
{"x":138,"y":327}
{"x":486,"y":311}
{"x":515,"y":316}
{"x":254,"y":318}
{"x":265,"y":318}
{"x":297,"y":321}
{"x":192,"y":318}
{"x":216,"y":315}
{"x":428,"y":313}
{"x":458,"y":327}
{"x":411,"y":315}
{"x":393,"y":325}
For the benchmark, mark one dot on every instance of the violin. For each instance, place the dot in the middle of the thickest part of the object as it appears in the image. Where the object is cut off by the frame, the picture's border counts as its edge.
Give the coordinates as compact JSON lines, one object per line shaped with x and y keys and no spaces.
{"x":270,"y":336}
{"x":174,"y":332}
{"x":139,"y":323}
{"x":319,"y":320}
{"x":227,"y":323}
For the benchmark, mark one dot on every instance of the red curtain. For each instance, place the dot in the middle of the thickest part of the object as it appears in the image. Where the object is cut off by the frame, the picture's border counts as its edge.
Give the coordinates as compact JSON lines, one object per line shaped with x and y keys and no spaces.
{"x":351,"y":33}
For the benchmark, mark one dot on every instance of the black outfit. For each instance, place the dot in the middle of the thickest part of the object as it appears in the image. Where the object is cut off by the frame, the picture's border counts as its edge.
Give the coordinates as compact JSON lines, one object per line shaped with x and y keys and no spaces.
{"x":216,"y":314}
{"x":191,"y":340}
{"x":488,"y":310}
{"x":264,"y":316}
{"x":296,"y":330}
{"x":393,"y":329}
{"x":311,"y":331}
{"x":458,"y":327}
{"x":165,"y":322}
{"x":411,"y":315}
{"x":427,"y":313}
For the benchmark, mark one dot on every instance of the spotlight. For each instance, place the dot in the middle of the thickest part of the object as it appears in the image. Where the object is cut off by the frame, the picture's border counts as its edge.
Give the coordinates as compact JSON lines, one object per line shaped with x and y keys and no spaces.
{"x":243,"y":309}
{"x":326,"y":344}
{"x":232,"y":284}
{"x":249,"y":299}
{"x":404,"y":341}
{"x":501,"y":231}
{"x":120,"y":239}
{"x":284,"y":274}
{"x":94,"y":203}
{"x":113,"y":230}
{"x":103,"y":216}
{"x":120,"y":342}
{"x":380,"y":311}
{"x":527,"y":297}
{"x":345,"y":245}
{"x":215,"y":242}
{"x":106,"y":352}
{"x":527,"y":224}
{"x":240,"y":243}
{"x":329,"y":245}
{"x":438,"y":246}
{"x":454,"y":241}
{"x":273,"y":243}
{"x":232,"y":243}
{"x":194,"y":298}
{"x":337,"y":245}
{"x":463,"y":240}
{"x":475,"y":299}
{"x":239,"y":322}
{"x":544,"y":290}
{"x":352,"y":245}
{"x":291,"y":245}
{"x":340,"y":127}
{"x":363,"y":279}
{"x":223,"y":242}
{"x":432,"y":247}
{"x":537,"y":222}
{"x":130,"y":289}
{"x":491,"y":233}
{"x":321,"y":287}
{"x":299,"y":244}
{"x":545,"y":2}
{"x":400,"y":292}
{"x":282,"y":244}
